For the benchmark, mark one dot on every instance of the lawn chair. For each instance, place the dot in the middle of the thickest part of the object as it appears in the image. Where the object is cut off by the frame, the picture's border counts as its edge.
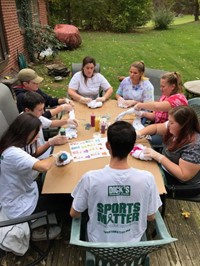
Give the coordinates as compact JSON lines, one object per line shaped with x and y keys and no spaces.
{"x":41,"y":218}
{"x":77,"y":67}
{"x":195,"y":104}
{"x":121,"y":254}
{"x":154,"y":76}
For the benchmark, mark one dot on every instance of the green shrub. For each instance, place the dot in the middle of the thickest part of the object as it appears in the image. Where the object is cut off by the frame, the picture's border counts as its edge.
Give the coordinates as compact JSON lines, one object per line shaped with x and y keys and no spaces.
{"x":38,"y":38}
{"x":162,"y":18}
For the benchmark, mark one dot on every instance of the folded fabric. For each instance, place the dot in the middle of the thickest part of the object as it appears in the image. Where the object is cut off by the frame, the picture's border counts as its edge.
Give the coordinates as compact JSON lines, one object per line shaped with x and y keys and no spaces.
{"x":64,"y":158}
{"x":129,"y":111}
{"x":137,"y":152}
{"x":94,"y":104}
{"x":71,"y":132}
{"x":137,"y":123}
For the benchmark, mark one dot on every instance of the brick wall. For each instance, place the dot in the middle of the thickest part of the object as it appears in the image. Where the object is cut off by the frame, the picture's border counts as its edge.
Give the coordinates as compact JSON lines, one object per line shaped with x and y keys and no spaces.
{"x":14,"y":36}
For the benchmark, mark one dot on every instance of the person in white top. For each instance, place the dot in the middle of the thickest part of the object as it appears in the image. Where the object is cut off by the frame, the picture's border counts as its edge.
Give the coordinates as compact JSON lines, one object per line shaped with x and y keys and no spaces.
{"x":85,"y":85}
{"x":34,"y":103}
{"x":18,"y":169}
{"x":135,"y":88}
{"x":119,"y":199}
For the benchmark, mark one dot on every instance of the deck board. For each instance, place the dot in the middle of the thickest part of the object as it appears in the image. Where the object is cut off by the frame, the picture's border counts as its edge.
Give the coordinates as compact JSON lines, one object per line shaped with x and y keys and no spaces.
{"x":184,"y":252}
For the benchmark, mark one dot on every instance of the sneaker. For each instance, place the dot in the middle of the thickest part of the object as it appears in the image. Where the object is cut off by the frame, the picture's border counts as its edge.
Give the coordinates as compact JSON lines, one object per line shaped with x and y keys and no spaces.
{"x":40,"y":233}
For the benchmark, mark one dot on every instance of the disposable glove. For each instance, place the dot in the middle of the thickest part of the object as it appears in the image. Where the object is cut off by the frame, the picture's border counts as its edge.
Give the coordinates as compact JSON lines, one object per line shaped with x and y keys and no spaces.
{"x":72,"y":122}
{"x":66,"y":107}
{"x":68,"y":101}
{"x":85,"y":100}
{"x":101,"y":99}
{"x":153,"y":154}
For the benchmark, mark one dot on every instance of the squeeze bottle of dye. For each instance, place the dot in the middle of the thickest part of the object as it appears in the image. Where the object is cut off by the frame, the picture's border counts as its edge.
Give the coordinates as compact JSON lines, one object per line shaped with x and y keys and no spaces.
{"x":103,"y":128}
{"x":92,"y":120}
{"x":97,"y":123}
{"x":63,"y":157}
{"x":62,"y":131}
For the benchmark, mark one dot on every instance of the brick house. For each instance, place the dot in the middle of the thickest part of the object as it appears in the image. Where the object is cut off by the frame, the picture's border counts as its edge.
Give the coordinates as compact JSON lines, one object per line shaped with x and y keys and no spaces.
{"x":11,"y":33}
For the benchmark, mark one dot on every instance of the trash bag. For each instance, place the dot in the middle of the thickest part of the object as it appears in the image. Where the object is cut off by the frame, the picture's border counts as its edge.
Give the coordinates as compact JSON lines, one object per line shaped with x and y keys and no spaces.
{"x":58,"y":70}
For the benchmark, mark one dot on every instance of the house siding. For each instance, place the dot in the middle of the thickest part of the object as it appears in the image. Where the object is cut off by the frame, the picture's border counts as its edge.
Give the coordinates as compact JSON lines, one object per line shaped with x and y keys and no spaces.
{"x":13,"y":33}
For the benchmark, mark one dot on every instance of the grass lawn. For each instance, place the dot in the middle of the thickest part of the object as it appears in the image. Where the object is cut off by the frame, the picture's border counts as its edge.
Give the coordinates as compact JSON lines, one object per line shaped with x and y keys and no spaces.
{"x":176,"y":49}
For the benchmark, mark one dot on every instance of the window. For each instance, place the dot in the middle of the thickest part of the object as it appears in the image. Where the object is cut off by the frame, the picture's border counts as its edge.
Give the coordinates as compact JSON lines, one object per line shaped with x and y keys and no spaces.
{"x":27,"y":13}
{"x":35,"y":12}
{"x":3,"y":48}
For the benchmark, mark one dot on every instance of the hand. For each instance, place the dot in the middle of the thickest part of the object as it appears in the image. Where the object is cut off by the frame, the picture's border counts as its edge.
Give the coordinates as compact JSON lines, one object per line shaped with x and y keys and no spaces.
{"x":138,"y":106}
{"x":66,"y":107}
{"x":85,"y":100}
{"x":129,"y":103}
{"x":68,"y":101}
{"x":120,"y":101}
{"x":101,"y":99}
{"x":139,"y":113}
{"x":72,"y":122}
{"x":153,"y":154}
{"x":57,"y":156}
{"x":57,"y":140}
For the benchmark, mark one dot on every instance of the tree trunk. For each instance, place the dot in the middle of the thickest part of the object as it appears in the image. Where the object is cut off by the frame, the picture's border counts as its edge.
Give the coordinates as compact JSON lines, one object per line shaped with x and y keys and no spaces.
{"x":196,"y":10}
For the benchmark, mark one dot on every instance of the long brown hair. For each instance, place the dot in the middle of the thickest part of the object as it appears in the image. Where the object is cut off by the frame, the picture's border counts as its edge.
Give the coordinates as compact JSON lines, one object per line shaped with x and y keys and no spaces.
{"x":88,"y":60}
{"x":174,"y":78}
{"x":186,"y":117}
{"x":19,"y":131}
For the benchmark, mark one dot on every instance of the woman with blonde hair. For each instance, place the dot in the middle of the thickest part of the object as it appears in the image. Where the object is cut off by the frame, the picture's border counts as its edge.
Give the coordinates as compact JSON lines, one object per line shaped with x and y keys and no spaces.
{"x":135,"y":88}
{"x":172,"y":96}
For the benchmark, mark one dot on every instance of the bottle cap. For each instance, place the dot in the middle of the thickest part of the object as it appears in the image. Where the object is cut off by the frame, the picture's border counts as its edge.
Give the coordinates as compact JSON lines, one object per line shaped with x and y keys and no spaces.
{"x":63,"y":157}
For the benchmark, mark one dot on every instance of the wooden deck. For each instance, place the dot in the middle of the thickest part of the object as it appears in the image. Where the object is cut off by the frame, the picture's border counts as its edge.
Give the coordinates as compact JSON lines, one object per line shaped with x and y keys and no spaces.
{"x":184,"y":252}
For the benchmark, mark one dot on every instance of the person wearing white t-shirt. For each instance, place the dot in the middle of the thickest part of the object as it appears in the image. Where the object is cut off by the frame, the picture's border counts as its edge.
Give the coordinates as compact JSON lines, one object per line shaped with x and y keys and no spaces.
{"x":34,"y":103}
{"x":18,"y":169}
{"x":120,"y":199}
{"x":85,"y":85}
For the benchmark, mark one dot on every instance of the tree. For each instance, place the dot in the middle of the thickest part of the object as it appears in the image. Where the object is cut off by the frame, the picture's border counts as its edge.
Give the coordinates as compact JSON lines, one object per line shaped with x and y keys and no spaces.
{"x":112,"y":15}
{"x":196,"y":10}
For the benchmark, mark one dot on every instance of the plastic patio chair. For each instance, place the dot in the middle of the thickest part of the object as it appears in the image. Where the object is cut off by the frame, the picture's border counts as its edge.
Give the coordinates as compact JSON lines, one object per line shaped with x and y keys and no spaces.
{"x":77,"y":67}
{"x":121,"y":254}
{"x":195,"y":104}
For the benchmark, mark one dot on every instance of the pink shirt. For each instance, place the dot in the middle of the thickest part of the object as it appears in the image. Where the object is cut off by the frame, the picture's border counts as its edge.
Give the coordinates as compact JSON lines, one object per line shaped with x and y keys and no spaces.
{"x":174,"y":100}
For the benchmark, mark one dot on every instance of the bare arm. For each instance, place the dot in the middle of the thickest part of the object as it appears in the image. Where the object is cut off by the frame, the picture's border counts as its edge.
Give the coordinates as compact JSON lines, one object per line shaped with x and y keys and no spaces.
{"x":44,"y":165}
{"x":184,"y":171}
{"x":108,"y":93}
{"x":151,"y":217}
{"x":76,"y":97}
{"x":153,"y":129}
{"x":62,"y":122}
{"x":74,"y":214}
{"x":154,"y":106}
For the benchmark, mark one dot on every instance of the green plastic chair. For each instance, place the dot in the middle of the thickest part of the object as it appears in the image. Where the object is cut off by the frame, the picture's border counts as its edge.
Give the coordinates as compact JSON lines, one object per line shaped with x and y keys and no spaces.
{"x":195,"y":104}
{"x":77,"y":67}
{"x":121,"y":254}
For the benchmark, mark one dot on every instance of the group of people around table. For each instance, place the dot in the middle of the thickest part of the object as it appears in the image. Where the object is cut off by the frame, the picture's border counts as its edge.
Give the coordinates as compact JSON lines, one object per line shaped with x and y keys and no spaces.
{"x":119,"y":199}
